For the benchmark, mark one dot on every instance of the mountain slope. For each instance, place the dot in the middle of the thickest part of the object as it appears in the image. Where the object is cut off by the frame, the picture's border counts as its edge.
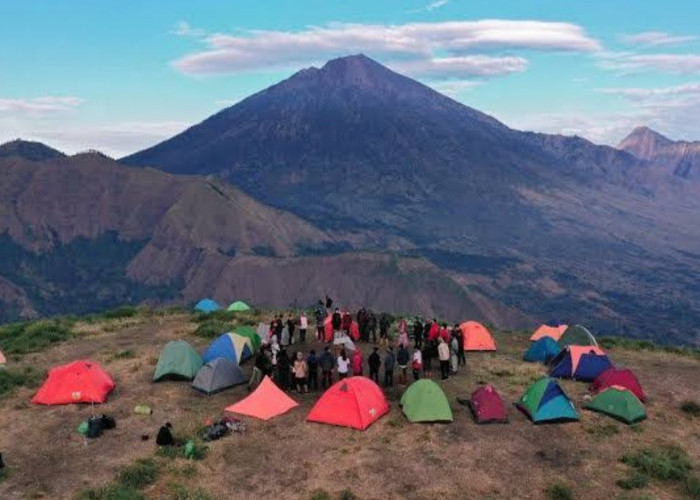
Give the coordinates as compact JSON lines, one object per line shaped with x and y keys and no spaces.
{"x":679,"y":158}
{"x":33,"y":151}
{"x":82,"y":233}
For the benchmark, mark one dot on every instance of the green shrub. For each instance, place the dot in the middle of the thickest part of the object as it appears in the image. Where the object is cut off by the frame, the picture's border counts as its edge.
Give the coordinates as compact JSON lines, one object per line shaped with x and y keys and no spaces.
{"x":179,"y":492}
{"x":559,"y":491}
{"x":111,"y":492}
{"x":23,"y":338}
{"x":646,"y":345}
{"x":120,"y":312}
{"x":670,"y":463}
{"x":690,"y":408}
{"x":139,"y":475}
{"x":635,"y":481}
{"x":347,"y":494}
{"x":12,"y":378}
{"x":691,"y":487}
{"x":320,"y":495}
{"x":213,"y":328}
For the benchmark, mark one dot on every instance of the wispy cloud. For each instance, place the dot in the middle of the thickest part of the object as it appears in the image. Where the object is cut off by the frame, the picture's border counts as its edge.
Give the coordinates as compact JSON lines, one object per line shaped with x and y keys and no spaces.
{"x":454,"y":88}
{"x":436,"y":5}
{"x":447,"y":45}
{"x":626,"y":62}
{"x":656,"y":39}
{"x":645,"y":93}
{"x":45,"y":104}
{"x":183,"y":28}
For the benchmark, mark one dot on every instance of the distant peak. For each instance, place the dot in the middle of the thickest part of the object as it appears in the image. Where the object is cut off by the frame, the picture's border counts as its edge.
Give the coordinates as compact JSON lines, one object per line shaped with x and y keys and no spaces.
{"x":644,"y":142}
{"x":29,"y":150}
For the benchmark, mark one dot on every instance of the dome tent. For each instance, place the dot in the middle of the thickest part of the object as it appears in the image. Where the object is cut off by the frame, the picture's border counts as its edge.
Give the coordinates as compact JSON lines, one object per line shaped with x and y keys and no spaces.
{"x":217,"y":375}
{"x":238,"y":306}
{"x":477,"y":337}
{"x":354,"y":402}
{"x":618,"y":403}
{"x":546,"y":402}
{"x":619,"y":377}
{"x":542,"y":350}
{"x":78,"y":382}
{"x":555,"y":332}
{"x":266,"y":402}
{"x":425,"y":401}
{"x":580,"y":363}
{"x":231,"y":346}
{"x":178,"y":360}
{"x":207,"y":306}
{"x":487,"y":406}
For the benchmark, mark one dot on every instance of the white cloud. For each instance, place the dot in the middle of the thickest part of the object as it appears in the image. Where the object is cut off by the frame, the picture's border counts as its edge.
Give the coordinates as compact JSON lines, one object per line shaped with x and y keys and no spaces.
{"x":183,"y":28}
{"x":453,"y":88}
{"x":422,"y":45}
{"x":656,"y":39}
{"x":45,"y":104}
{"x":643,"y":94}
{"x":436,"y":5}
{"x":626,"y":62}
{"x":456,"y":67}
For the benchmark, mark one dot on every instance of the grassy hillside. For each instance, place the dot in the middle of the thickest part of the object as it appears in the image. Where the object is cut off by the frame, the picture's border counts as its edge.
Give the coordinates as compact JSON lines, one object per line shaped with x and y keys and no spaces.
{"x":595,"y":458}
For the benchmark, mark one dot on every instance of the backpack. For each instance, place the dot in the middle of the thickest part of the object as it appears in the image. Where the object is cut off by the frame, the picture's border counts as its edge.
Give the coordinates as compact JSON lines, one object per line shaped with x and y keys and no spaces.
{"x":94,"y":427}
{"x":108,"y":422}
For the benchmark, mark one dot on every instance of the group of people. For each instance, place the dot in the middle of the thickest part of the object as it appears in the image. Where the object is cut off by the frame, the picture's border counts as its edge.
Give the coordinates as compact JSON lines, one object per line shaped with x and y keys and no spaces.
{"x":301,"y":371}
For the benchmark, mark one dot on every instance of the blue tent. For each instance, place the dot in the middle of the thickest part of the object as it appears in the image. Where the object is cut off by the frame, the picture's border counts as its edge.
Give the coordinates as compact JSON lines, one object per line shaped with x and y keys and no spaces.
{"x":544,"y":401}
{"x":229,"y":346}
{"x":207,"y":306}
{"x":542,"y":350}
{"x":580,"y":363}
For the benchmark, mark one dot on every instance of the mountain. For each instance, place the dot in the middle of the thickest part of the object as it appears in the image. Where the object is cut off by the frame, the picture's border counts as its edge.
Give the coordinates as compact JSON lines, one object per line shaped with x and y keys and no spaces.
{"x":82,"y":233}
{"x":679,"y":158}
{"x":551,"y":226}
{"x":29,"y":150}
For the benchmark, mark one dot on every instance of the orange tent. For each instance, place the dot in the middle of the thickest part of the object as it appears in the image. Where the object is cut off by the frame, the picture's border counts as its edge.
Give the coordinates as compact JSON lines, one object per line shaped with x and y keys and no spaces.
{"x":265,"y":402}
{"x":352,"y":402}
{"x":77,"y":382}
{"x":549,"y":331}
{"x":477,"y":337}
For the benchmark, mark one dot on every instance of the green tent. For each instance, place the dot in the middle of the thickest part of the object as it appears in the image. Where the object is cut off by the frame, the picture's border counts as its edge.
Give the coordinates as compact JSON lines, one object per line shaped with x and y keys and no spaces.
{"x":178,"y":359}
{"x":239,"y":306}
{"x":619,"y":404}
{"x":250,"y":333}
{"x":424,"y":401}
{"x":577,"y":335}
{"x":545,"y":401}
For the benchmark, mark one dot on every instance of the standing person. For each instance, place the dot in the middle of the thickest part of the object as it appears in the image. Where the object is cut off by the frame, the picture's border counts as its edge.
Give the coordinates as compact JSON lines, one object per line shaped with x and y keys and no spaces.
{"x":403,"y":335}
{"x":278,"y":328}
{"x":362,"y":321}
{"x":427,"y":358}
{"x":343,"y":363}
{"x":284,"y":336}
{"x":345,"y":322}
{"x":357,"y":363}
{"x":291,"y":326}
{"x":426,"y":331}
{"x":303,"y":326}
{"x":336,"y":320}
{"x":284,"y":370}
{"x":434,"y":331}
{"x":313,"y":363}
{"x":374,"y":362}
{"x":372,"y":326}
{"x":274,"y":353}
{"x":259,"y":369}
{"x":383,"y":326}
{"x":320,"y":315}
{"x":454,"y":354}
{"x":327,"y":363}
{"x":444,"y":357}
{"x":329,"y":302}
{"x":389,"y":362}
{"x":417,"y":364}
{"x":402,"y":358}
{"x":418,"y":333}
{"x":444,"y":333}
{"x":300,"y":370}
{"x":460,"y":339}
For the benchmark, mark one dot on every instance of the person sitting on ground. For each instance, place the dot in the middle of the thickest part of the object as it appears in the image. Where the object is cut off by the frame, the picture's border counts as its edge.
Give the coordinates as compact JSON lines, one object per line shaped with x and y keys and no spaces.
{"x":444,"y":357}
{"x":402,"y":360}
{"x":389,"y":362}
{"x":417,"y":364}
{"x":327,"y":362}
{"x":259,"y":369}
{"x":312,"y":361}
{"x":357,"y":363}
{"x":300,"y":370}
{"x":374,"y":362}
{"x":343,"y":363}
{"x":165,"y":436}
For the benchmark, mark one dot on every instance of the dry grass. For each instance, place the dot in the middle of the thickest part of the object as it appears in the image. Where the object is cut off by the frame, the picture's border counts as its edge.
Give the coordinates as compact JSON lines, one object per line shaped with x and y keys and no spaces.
{"x":392,"y":459}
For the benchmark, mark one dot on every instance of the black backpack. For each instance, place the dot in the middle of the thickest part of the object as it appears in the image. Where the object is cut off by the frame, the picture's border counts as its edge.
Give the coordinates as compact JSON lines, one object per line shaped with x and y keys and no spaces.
{"x":94,"y":427}
{"x":108,"y":422}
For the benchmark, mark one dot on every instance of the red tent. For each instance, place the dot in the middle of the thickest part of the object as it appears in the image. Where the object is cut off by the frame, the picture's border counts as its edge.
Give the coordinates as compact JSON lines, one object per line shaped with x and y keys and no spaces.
{"x":78,"y":382}
{"x":352,"y":402}
{"x":487,"y":406}
{"x":622,"y":378}
{"x":265,"y":402}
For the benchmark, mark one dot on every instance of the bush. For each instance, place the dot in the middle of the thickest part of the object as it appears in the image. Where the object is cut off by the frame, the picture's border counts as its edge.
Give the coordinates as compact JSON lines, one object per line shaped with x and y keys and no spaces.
{"x":691,"y":487}
{"x":635,"y":481}
{"x":23,"y":338}
{"x":112,"y":492}
{"x":139,"y":475}
{"x":559,"y":491}
{"x":347,"y":494}
{"x":179,"y":492}
{"x":320,"y":495}
{"x":667,"y":464}
{"x":11,"y":379}
{"x":120,"y":312}
{"x":690,"y":408}
{"x":213,"y":328}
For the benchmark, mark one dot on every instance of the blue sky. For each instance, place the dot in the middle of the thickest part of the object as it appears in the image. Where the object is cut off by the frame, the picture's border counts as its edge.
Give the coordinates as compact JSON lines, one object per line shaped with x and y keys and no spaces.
{"x":120,"y":76}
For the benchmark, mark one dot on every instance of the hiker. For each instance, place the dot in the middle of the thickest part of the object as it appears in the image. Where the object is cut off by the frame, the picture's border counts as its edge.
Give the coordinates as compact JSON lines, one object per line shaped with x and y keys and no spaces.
{"x":357,"y":363}
{"x":312,"y":361}
{"x":383,"y":326}
{"x":320,"y":315}
{"x":362,"y":323}
{"x":444,"y":333}
{"x":402,"y":360}
{"x":460,"y":340}
{"x":336,"y":320}
{"x":165,"y":436}
{"x":426,"y":331}
{"x":389,"y":362}
{"x":290,"y":327}
{"x":418,"y":333}
{"x":444,"y":357}
{"x":374,"y":362}
{"x":417,"y":364}
{"x":303,"y":325}
{"x":300,"y":370}
{"x":403,"y":334}
{"x":434,"y":331}
{"x":259,"y":369}
{"x":372,"y":326}
{"x":343,"y":362}
{"x":327,"y":362}
{"x":284,"y":336}
{"x":345,"y":322}
{"x":454,"y":354}
{"x":427,"y":359}
{"x":284,"y":370}
{"x":329,"y":302}
{"x":274,"y":350}
{"x":278,"y":327}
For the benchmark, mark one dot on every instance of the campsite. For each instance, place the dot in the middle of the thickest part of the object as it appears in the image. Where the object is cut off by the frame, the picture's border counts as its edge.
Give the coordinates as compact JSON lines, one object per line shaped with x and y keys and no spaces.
{"x":391,"y":458}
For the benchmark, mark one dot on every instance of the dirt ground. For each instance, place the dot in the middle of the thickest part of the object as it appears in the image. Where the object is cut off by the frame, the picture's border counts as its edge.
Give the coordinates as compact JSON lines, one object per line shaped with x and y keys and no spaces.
{"x":289,"y":457}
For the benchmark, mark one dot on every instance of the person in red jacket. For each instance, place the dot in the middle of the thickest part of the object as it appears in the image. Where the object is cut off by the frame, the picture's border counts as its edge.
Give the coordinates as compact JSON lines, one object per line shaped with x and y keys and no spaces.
{"x":434,"y":331}
{"x":445,"y":333}
{"x":357,"y":363}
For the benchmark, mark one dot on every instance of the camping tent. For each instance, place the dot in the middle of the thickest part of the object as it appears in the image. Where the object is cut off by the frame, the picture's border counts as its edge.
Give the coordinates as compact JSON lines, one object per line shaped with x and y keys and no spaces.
{"x":250,"y":334}
{"x":424,"y":401}
{"x":580,"y":363}
{"x":238,"y":306}
{"x":577,"y":335}
{"x":618,"y":403}
{"x":554,"y":332}
{"x":542,"y":350}
{"x":266,"y":402}
{"x":217,"y":375}
{"x":477,"y":337}
{"x":544,"y":401}
{"x":487,"y":406}
{"x":178,"y":359}
{"x":78,"y":382}
{"x":622,"y":378}
{"x":207,"y":306}
{"x":352,"y":402}
{"x":230,"y":346}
